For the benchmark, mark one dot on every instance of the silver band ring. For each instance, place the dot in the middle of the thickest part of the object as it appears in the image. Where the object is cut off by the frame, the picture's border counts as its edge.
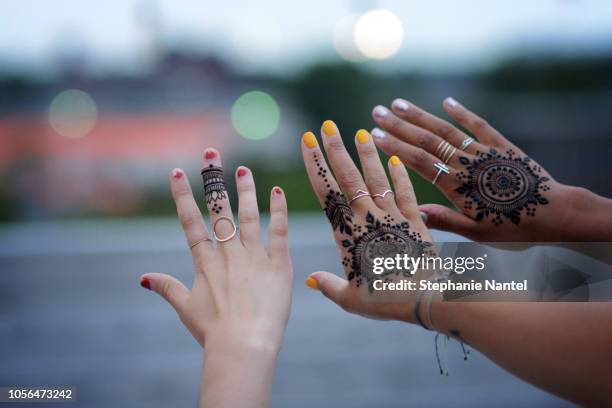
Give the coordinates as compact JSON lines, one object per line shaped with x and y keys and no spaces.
{"x":442,"y":168}
{"x":466,"y":143}
{"x":232,"y":235}
{"x":451,"y":153}
{"x":359,"y":194}
{"x":383,"y":194}
{"x":199,"y":241}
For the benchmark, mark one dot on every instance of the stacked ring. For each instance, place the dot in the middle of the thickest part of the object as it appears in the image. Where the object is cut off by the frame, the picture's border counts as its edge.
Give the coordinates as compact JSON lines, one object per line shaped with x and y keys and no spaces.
{"x":445,"y":151}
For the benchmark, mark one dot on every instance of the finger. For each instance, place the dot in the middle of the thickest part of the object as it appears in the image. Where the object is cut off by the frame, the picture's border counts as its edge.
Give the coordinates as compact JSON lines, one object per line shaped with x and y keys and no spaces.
{"x":217,"y":201}
{"x":445,"y":219}
{"x":333,"y":287}
{"x":189,"y":215}
{"x":404,"y":192}
{"x":347,"y":175}
{"x":475,"y":124}
{"x":414,"y":135}
{"x":333,"y":201}
{"x":423,"y":119}
{"x":168,"y":287}
{"x":373,"y":171}
{"x":278,"y":246}
{"x":419,"y":160}
{"x":248,"y":213}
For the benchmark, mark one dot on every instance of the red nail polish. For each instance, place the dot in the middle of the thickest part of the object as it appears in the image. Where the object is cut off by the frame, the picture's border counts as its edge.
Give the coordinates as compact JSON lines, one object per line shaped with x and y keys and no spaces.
{"x":277,"y":191}
{"x":177,"y":174}
{"x":145,"y":283}
{"x":242,"y":172}
{"x":209,"y":155}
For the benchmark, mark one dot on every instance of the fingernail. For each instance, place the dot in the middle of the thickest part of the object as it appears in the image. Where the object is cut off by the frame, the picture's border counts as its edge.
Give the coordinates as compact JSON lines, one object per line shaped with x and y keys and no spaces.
{"x":401,"y":105}
{"x":210,"y":154}
{"x":362,"y":136}
{"x":452,"y":102}
{"x":177,"y":174}
{"x":309,"y":139}
{"x":329,"y":128}
{"x":277,"y":191}
{"x":380,"y":111}
{"x":145,"y":283}
{"x":312,"y":283}
{"x":424,"y":217}
{"x":242,"y":171}
{"x":377,"y":133}
{"x":395,"y":161}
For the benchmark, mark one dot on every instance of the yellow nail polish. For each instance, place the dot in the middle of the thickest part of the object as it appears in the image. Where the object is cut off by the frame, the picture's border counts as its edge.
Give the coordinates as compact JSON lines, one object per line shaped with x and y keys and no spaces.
{"x":309,"y":140}
{"x":363,"y":136}
{"x":312,"y":283}
{"x":395,"y":161}
{"x":329,"y":128}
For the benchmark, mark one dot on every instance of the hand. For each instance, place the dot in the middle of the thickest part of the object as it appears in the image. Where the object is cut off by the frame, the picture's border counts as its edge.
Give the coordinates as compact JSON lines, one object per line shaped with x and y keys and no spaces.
{"x":364,"y":226}
{"x":241,"y":294}
{"x":502,"y":194}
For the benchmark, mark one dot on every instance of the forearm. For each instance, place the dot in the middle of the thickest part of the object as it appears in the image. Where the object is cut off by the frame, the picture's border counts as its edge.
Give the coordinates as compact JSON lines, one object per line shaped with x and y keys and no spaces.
{"x":238,"y":375}
{"x":561,"y":347}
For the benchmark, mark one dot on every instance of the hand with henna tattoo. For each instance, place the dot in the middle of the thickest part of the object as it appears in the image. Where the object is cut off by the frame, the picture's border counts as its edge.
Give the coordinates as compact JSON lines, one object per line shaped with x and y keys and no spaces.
{"x":371,"y":223}
{"x":501,"y":193}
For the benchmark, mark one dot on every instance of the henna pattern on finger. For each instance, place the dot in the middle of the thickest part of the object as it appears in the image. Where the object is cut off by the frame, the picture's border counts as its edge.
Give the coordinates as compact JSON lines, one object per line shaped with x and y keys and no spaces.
{"x":214,"y":187}
{"x":499,"y":186}
{"x":337,"y":208}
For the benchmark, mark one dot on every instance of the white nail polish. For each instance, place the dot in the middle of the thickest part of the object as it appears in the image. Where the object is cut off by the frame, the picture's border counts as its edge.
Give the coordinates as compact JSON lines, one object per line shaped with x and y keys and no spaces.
{"x":452,"y":102}
{"x":380,"y":111}
{"x":377,"y":133}
{"x":400,"y":105}
{"x":423,"y":216}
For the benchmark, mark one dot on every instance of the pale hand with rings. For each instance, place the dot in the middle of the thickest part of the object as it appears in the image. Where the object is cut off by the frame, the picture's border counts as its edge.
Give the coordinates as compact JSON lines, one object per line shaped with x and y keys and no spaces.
{"x":238,"y":306}
{"x":368,"y":221}
{"x":501,"y":194}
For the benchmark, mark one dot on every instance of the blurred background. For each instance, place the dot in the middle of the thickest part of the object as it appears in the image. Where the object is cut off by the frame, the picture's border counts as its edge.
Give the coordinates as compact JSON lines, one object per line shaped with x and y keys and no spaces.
{"x":100,"y":100}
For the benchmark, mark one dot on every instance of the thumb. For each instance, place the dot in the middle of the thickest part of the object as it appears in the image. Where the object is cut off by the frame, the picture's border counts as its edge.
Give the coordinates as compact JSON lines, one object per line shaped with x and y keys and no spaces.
{"x":332,"y":286}
{"x":443,"y":218}
{"x":167,"y":287}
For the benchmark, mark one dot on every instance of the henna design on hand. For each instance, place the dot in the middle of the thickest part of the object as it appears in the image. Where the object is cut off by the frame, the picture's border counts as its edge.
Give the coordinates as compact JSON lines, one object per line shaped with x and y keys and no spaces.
{"x":502,"y":185}
{"x":214,"y":187}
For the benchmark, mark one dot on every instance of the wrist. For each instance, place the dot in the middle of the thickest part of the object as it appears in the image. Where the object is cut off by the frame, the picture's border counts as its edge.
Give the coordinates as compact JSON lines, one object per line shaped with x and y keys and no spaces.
{"x":588,"y":217}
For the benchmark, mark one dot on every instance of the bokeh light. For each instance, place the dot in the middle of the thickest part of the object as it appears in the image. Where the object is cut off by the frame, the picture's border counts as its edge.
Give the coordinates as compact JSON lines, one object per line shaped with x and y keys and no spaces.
{"x":344,"y":38}
{"x":379,"y":34}
{"x":72,"y":113}
{"x":255,"y":115}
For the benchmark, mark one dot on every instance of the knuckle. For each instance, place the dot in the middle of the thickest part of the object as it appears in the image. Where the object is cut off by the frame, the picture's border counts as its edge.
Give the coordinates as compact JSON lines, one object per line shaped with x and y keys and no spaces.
{"x":183,"y":192}
{"x":445,"y":130}
{"x":279,"y":228}
{"x":335,"y":144}
{"x":395,"y":124}
{"x":187,"y":219}
{"x":248,"y":217}
{"x":480,"y":124}
{"x":420,"y":156}
{"x":424,"y":139}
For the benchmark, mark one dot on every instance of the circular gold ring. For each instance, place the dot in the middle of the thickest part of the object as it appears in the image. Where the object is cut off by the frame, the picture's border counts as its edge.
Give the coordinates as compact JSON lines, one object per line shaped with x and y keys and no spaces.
{"x":199,"y":241}
{"x":232,"y":235}
{"x":359,"y":194}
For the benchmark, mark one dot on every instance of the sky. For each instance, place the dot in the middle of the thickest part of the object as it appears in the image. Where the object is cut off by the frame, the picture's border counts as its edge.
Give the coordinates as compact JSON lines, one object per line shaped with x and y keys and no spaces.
{"x":280,"y":36}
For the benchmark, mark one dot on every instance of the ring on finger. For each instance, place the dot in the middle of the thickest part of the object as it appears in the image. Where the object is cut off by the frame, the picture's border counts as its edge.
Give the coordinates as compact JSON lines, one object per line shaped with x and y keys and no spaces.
{"x":450,"y":154}
{"x":383,"y":194}
{"x":359,"y":194}
{"x":442,"y":168}
{"x":232,"y":235}
{"x":199,"y":241}
{"x":468,"y":141}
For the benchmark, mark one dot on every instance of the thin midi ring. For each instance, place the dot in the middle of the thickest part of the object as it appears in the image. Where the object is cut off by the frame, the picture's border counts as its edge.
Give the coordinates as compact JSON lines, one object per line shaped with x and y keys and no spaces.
{"x":383,"y":194}
{"x":442,"y":168}
{"x":466,"y":143}
{"x":232,"y":235}
{"x":359,"y":194}
{"x":199,"y":241}
{"x":452,"y":152}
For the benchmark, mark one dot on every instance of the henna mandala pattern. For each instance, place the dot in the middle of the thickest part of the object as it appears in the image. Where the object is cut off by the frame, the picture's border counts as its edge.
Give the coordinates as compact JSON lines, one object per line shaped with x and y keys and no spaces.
{"x":384,"y":238}
{"x":502,"y":185}
{"x":214,"y":186}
